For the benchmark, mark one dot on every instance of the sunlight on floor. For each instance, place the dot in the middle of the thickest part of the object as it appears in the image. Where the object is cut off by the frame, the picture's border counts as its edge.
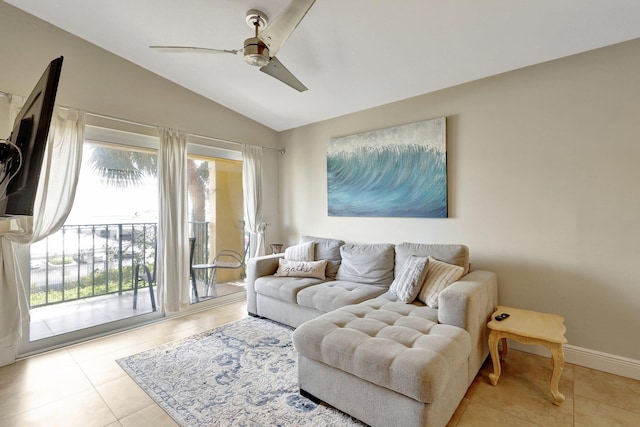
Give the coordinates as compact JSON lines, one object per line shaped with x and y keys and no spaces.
{"x":57,"y":319}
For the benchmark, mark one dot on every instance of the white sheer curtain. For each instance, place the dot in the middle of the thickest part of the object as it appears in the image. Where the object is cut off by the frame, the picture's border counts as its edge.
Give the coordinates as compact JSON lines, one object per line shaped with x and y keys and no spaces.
{"x":252,"y":191}
{"x":173,"y":248}
{"x":53,"y":202}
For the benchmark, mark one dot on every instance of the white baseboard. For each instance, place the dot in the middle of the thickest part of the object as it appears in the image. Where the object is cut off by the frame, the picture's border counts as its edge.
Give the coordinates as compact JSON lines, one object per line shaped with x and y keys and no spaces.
{"x":593,"y":359}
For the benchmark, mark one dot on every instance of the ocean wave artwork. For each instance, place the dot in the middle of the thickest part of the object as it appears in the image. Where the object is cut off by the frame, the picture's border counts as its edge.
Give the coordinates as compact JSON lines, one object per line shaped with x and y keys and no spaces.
{"x":394,"y":172}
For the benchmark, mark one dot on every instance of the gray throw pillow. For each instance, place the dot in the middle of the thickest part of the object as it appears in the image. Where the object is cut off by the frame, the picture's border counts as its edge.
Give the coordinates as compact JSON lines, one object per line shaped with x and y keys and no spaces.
{"x":328,"y":249}
{"x":449,"y":253}
{"x":367,"y":263}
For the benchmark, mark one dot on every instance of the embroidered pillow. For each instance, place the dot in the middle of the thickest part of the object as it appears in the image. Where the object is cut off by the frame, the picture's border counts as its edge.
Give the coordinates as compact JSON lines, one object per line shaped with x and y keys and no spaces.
{"x":407,"y":283}
{"x":314,"y":269}
{"x":439,"y":276}
{"x":301,"y":252}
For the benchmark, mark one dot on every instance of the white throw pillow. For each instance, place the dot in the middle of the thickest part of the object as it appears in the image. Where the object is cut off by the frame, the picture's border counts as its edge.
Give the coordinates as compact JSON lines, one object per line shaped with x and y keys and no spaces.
{"x":410,"y":278}
{"x":301,"y":252}
{"x":313,"y":269}
{"x":439,"y":276}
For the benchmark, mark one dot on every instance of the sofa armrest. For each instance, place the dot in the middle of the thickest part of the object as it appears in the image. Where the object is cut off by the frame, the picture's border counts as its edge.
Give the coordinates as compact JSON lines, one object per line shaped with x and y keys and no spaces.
{"x":468,"y":304}
{"x":258,"y":267}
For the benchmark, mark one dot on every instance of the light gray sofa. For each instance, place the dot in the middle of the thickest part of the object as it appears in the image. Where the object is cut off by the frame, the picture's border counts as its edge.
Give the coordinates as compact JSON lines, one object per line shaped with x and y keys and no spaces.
{"x":343,"y":306}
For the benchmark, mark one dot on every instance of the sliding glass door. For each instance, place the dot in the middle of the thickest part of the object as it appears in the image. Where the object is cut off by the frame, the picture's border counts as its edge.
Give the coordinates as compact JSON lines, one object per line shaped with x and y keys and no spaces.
{"x":216,"y":221}
{"x":83,"y":276}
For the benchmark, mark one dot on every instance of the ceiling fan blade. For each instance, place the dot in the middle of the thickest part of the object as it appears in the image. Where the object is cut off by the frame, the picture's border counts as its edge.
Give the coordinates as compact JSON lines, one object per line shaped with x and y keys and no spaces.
{"x":192,"y":49}
{"x":281,"y":28}
{"x":275,"y":69}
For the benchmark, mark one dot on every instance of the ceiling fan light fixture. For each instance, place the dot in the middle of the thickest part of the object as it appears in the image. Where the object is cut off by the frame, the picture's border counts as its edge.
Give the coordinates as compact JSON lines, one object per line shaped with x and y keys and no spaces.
{"x":256,"y":53}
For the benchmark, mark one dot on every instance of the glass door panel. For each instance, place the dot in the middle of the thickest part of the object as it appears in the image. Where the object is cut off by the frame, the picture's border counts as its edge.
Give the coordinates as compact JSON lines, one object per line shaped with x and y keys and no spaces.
{"x":216,"y":223}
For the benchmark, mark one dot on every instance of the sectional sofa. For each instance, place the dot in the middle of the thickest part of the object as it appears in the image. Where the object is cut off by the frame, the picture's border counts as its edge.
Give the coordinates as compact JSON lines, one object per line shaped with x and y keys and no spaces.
{"x":390,"y":334}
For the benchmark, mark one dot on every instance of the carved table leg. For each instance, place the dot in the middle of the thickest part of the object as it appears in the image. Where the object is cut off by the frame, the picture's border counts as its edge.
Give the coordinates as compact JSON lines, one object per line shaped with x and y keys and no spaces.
{"x":557,"y":355}
{"x":505,"y":349}
{"x":495,"y":358}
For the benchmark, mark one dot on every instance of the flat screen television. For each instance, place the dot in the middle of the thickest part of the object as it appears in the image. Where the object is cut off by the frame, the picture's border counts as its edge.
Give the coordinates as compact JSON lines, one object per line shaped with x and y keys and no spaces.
{"x":29,"y":136}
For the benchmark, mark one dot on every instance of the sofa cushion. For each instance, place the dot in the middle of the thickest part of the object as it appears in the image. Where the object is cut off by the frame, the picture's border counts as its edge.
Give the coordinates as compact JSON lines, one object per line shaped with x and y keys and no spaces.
{"x":407,"y":284}
{"x":331,"y":295}
{"x":315,"y":269}
{"x":452,"y":254}
{"x":367,"y":263}
{"x":408,"y":354}
{"x":301,"y":252}
{"x":328,"y":249}
{"x":439,"y":276}
{"x":390,"y":302}
{"x":283,"y":288}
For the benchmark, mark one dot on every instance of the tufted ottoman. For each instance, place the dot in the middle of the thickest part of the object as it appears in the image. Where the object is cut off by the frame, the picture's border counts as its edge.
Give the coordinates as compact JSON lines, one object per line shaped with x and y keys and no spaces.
{"x":386,"y":364}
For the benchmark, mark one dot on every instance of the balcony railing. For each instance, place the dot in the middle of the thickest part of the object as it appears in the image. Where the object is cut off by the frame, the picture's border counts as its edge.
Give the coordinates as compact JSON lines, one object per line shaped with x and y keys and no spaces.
{"x":84,"y":261}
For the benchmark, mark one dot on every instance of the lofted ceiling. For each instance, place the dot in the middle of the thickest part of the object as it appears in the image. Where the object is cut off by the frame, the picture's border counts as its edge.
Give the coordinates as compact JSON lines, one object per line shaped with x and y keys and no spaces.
{"x":351,"y":54}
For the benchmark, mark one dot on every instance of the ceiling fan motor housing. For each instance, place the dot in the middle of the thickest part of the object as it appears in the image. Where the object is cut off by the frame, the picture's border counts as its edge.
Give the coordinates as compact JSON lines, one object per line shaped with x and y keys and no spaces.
{"x":256,"y":53}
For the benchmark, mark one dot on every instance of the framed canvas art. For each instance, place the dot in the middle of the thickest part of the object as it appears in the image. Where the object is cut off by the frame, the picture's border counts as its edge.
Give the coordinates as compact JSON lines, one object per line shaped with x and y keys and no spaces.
{"x":394,"y":172}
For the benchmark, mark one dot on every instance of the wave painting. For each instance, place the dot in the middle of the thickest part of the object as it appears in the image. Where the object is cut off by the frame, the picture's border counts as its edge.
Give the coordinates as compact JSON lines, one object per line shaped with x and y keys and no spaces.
{"x":394,"y":172}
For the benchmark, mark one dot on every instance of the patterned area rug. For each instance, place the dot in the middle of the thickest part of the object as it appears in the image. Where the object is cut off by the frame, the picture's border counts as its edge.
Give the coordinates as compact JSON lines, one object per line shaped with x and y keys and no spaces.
{"x":241,"y":374}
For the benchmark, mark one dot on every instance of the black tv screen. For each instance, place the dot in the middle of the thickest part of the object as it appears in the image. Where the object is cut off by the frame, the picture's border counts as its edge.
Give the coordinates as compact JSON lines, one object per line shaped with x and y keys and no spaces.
{"x":30,"y":133}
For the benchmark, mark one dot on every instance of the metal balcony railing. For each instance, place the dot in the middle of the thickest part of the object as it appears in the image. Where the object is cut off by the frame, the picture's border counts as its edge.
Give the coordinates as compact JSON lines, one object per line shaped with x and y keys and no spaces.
{"x":85,"y":261}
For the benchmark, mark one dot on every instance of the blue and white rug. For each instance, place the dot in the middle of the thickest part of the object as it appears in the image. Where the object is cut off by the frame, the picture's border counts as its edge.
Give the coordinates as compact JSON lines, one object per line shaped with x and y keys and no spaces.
{"x":241,"y":374}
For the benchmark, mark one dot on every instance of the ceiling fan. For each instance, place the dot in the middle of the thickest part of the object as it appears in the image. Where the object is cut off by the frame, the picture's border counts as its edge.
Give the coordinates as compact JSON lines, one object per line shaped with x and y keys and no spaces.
{"x":261,"y":50}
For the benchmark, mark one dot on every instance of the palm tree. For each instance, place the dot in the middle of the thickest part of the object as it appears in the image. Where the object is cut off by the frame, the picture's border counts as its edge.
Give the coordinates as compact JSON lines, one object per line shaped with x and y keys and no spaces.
{"x":127,"y":168}
{"x":198,"y":188}
{"x":123,"y":168}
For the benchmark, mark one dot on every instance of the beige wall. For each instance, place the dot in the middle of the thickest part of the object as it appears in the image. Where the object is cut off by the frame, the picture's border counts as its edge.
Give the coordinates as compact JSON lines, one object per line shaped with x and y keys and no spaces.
{"x":543,"y":168}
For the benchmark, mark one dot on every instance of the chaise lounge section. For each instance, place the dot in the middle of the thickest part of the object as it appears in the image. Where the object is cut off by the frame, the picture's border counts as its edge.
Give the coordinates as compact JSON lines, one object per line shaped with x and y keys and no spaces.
{"x":384,"y":364}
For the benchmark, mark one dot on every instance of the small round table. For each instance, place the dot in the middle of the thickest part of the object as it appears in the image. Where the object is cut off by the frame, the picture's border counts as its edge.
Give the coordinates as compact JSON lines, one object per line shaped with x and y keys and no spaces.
{"x":528,"y":327}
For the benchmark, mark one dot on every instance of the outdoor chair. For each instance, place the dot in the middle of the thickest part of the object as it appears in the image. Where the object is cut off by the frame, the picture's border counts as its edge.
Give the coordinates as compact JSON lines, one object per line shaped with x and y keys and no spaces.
{"x":142,"y":272}
{"x":226,"y":259}
{"x":192,"y":275}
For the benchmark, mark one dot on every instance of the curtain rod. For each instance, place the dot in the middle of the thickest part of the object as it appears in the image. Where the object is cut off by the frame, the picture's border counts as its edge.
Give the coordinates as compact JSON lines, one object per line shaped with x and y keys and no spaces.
{"x":131,"y":122}
{"x":210,"y":138}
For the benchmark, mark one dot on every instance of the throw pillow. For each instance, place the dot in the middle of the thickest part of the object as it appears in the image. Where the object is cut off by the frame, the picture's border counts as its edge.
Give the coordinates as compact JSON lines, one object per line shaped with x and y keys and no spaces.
{"x":371,"y":264}
{"x":451,"y":254}
{"x":314,"y":269}
{"x":439,"y":276}
{"x":302,"y":252}
{"x":412,"y":274}
{"x":328,"y":249}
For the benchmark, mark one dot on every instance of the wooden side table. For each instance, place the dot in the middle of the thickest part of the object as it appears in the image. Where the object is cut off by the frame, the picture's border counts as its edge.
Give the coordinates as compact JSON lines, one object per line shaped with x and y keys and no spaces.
{"x":528,"y":327}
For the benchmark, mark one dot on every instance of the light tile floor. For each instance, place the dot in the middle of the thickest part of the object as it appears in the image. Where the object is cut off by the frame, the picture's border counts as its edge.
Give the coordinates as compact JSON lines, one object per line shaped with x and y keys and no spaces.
{"x":55,"y":319}
{"x":82,"y":385}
